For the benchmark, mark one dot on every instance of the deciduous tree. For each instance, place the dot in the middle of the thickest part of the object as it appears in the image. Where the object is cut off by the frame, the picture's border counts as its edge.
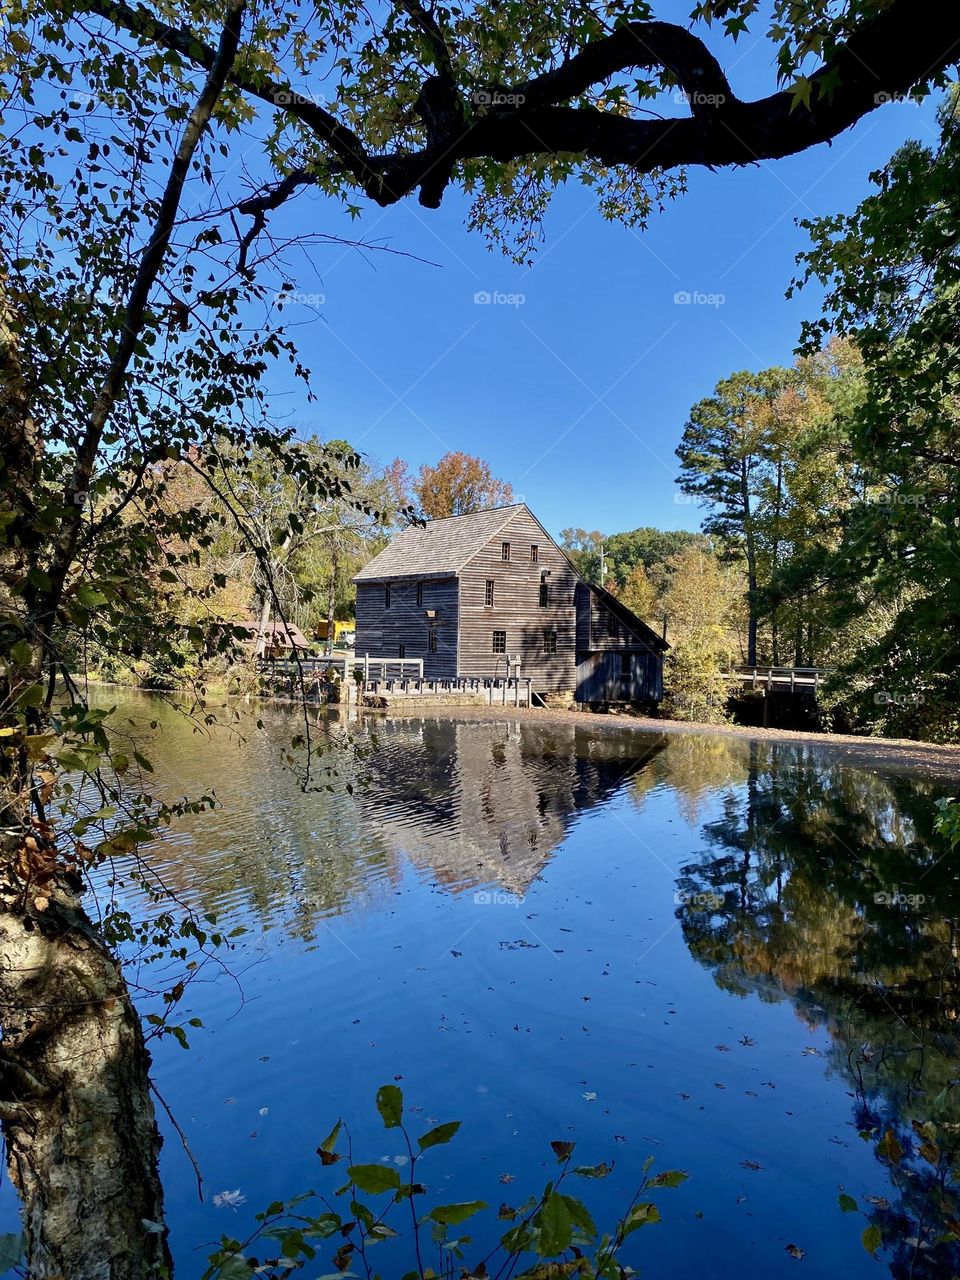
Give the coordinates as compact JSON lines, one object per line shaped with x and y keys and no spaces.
{"x":458,"y":485}
{"x":119,"y":355}
{"x":700,"y":609}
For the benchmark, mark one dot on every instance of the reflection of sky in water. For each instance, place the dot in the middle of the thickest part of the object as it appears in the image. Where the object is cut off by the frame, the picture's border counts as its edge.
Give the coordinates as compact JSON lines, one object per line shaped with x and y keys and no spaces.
{"x":496,"y":919}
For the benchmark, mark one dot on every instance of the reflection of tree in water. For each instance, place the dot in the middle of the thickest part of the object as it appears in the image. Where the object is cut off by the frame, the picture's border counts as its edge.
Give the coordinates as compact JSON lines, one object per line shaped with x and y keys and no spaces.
{"x":695,"y":766}
{"x":281,"y":857}
{"x":828,"y":884}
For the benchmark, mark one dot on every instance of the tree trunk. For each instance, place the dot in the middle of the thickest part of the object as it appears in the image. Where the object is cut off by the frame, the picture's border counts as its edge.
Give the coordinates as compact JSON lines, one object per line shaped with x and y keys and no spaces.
{"x":752,"y":617}
{"x":265,"y":611}
{"x":332,"y":600}
{"x":750,"y":552}
{"x":775,"y":564}
{"x":78,"y":1119}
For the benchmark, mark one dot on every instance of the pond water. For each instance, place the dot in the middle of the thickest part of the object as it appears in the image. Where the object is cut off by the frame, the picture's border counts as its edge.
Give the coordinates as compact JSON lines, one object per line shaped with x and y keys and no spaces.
{"x":738,"y":957}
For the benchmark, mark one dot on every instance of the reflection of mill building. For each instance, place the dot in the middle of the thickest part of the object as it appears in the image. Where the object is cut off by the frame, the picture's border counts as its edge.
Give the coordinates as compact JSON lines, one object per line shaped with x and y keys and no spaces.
{"x":489,"y":802}
{"x":491,"y":593}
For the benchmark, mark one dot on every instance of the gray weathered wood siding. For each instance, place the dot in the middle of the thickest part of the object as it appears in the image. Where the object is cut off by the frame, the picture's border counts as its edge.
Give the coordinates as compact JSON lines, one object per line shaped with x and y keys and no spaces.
{"x":381,"y":631}
{"x":516,"y":607}
{"x":600,"y":677}
{"x":600,"y":650}
{"x":593,"y":630}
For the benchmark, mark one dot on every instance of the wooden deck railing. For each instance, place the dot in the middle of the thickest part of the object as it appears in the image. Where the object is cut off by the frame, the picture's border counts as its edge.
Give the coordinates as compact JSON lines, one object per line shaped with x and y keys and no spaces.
{"x":344,"y":666}
{"x":396,"y":675}
{"x":506,"y":690}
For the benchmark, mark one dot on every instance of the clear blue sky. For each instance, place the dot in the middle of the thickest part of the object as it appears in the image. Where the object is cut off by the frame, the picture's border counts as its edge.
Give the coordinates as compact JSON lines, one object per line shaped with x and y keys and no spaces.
{"x":578,"y":396}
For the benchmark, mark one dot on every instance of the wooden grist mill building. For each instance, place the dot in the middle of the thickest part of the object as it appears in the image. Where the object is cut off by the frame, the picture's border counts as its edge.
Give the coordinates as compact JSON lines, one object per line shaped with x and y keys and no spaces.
{"x":490,"y":595}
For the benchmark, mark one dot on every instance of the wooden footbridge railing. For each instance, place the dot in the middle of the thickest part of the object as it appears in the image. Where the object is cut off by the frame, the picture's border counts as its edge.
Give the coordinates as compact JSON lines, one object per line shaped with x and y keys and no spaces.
{"x":779,"y":678}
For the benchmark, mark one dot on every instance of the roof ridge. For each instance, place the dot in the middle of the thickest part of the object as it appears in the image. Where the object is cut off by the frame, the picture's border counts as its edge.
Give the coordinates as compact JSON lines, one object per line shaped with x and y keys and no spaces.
{"x":468,"y":515}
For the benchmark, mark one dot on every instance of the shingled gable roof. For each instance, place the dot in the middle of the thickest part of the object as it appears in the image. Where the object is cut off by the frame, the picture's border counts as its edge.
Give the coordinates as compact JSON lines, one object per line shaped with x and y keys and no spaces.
{"x":438,"y":547}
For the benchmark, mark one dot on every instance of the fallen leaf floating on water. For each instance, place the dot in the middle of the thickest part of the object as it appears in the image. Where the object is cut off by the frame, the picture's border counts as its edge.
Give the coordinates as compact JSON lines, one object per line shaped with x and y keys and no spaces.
{"x":229,"y":1199}
{"x":796,"y":1252}
{"x":751,"y":1164}
{"x":723,"y":1048}
{"x":747,"y":1041}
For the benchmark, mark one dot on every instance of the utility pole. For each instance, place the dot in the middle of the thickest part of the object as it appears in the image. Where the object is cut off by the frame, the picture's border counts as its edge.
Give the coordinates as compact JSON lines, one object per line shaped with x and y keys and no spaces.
{"x":603,"y":564}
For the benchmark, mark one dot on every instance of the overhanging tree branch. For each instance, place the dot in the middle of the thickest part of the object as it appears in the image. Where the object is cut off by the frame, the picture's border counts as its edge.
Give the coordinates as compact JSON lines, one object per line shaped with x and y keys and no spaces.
{"x":899,"y":47}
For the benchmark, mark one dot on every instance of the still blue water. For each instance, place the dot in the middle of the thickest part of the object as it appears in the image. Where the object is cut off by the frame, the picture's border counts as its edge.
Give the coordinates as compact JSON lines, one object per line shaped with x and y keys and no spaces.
{"x":650,"y":945}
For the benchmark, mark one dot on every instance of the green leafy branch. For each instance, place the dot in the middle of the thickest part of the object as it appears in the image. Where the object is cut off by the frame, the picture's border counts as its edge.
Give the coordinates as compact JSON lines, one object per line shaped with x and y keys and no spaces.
{"x":552,"y":1233}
